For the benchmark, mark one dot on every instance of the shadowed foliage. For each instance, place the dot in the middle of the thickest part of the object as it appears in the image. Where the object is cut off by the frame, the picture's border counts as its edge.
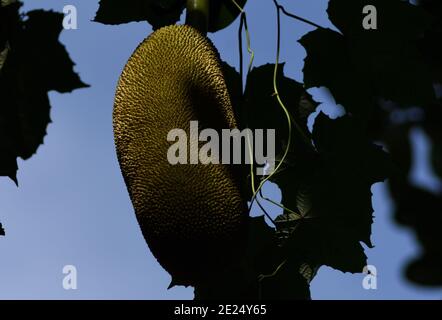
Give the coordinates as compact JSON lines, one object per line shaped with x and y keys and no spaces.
{"x":32,"y":63}
{"x":388,"y":81}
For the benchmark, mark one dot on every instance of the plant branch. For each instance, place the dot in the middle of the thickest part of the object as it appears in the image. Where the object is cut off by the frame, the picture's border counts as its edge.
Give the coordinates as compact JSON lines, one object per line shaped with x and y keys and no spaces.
{"x":197,"y":14}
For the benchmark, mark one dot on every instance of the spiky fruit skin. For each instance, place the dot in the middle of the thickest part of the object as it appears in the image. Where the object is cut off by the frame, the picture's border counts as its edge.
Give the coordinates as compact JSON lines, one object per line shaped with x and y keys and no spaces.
{"x":192,"y":216}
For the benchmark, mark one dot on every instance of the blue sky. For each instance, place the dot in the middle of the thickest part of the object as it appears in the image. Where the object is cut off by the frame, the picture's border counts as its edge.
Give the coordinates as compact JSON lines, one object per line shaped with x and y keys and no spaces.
{"x":72,"y":207}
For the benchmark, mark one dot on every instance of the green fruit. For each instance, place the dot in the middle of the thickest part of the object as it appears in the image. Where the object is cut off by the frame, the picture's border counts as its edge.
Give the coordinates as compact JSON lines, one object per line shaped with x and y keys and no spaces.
{"x":192,"y":216}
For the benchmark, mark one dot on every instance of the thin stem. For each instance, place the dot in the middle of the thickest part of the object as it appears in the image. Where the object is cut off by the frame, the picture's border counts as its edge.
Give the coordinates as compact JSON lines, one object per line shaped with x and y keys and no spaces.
{"x":243,"y":25}
{"x":197,"y":14}
{"x":279,"y":205}
{"x":276,"y":93}
{"x":291,"y":15}
{"x":265,"y":212}
{"x":264,"y":276}
{"x":290,"y":119}
{"x":241,"y":58}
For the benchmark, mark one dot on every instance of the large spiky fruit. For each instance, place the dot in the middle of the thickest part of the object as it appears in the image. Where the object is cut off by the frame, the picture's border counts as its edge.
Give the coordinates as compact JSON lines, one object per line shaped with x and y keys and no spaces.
{"x":192,"y":216}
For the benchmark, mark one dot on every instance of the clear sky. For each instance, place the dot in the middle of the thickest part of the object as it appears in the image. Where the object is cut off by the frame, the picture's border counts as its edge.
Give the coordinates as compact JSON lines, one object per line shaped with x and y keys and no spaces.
{"x":72,"y":207}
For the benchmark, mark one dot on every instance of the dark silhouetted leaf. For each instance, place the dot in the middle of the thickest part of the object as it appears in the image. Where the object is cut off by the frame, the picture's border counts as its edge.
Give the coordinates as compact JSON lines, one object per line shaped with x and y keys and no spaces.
{"x":332,"y":196}
{"x":287,"y":283}
{"x":223,"y":13}
{"x":51,"y":63}
{"x":332,"y":68}
{"x":255,"y":275}
{"x":36,"y":63}
{"x":421,"y":210}
{"x":264,"y":111}
{"x":261,"y":246}
{"x":361,"y":65}
{"x":8,"y":21}
{"x":425,"y":270}
{"x":430,"y":43}
{"x":158,"y":13}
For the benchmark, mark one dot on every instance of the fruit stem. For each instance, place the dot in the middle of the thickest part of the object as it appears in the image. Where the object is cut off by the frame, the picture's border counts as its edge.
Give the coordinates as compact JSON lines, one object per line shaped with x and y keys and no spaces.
{"x":198,"y":14}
